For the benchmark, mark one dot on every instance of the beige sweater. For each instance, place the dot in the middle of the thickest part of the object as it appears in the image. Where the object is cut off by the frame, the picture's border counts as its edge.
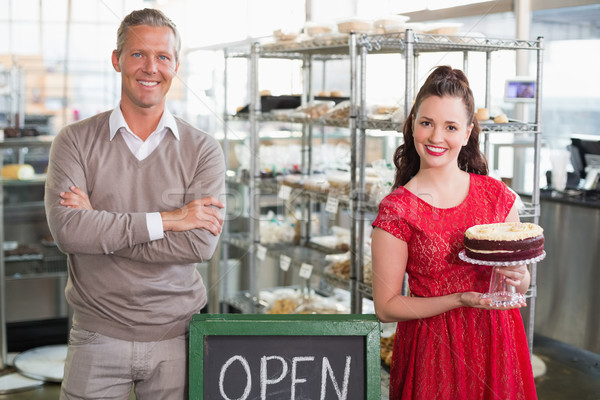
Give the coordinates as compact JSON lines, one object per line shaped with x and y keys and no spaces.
{"x":120,"y":283}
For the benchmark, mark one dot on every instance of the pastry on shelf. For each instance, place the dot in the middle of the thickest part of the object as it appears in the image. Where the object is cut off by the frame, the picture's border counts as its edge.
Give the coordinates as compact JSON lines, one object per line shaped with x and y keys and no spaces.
{"x":283,"y":306}
{"x":501,"y":119}
{"x":284,"y":36}
{"x":315,"y":109}
{"x":387,"y":348}
{"x":339,"y":267}
{"x":339,"y":182}
{"x":293,"y":180}
{"x":356,"y":25}
{"x":318,"y":29}
{"x":483,"y":114}
{"x":341,"y":112}
{"x":316,"y":183}
{"x":276,"y":229}
{"x":297,"y":301}
{"x":384,"y":109}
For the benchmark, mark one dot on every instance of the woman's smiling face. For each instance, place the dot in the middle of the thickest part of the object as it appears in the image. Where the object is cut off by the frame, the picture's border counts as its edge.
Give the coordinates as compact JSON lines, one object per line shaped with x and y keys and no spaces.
{"x":440,"y":131}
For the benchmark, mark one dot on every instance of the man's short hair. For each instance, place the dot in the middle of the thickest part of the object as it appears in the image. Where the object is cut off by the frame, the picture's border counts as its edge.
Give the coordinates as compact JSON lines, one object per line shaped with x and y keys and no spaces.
{"x":150,"y":17}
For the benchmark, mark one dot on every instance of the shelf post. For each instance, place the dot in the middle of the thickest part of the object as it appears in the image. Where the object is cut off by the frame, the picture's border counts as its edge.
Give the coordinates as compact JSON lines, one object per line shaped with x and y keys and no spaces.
{"x":254,"y":173}
{"x":361,"y":196}
{"x":355,"y":306}
{"x":409,"y":93}
{"x":307,"y":136}
{"x":535,"y":197}
{"x":488,"y":99}
{"x":3,"y":345}
{"x":409,"y":82}
{"x":221,"y":255}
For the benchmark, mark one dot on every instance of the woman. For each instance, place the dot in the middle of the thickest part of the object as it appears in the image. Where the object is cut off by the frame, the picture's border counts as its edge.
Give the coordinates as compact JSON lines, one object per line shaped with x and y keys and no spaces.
{"x":449,"y":343}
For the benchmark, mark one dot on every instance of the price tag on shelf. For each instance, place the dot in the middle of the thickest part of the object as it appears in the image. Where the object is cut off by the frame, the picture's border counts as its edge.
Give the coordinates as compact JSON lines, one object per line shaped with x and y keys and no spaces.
{"x":284,"y":192}
{"x":284,"y":262}
{"x":332,"y":204}
{"x":305,"y":270}
{"x":261,"y":252}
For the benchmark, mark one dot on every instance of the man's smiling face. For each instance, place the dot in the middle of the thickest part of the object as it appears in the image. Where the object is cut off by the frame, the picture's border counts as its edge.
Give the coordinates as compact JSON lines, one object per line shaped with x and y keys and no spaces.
{"x":147,"y":65}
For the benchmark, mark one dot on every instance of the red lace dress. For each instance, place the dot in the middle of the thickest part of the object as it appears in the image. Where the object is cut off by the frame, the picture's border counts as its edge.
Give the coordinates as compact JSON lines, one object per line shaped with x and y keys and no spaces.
{"x":465,"y":353}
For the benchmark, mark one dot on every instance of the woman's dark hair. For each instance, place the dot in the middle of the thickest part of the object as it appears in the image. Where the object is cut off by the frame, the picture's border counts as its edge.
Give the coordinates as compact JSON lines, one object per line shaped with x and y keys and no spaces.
{"x":443,"y":81}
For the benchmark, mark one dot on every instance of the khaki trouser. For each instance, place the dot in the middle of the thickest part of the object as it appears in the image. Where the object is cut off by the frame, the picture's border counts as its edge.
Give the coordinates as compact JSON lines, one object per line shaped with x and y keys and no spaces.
{"x":100,"y":367}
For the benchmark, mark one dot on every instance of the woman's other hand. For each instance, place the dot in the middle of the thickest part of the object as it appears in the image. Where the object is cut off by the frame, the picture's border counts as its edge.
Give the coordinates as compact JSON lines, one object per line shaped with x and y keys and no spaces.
{"x":476,"y":300}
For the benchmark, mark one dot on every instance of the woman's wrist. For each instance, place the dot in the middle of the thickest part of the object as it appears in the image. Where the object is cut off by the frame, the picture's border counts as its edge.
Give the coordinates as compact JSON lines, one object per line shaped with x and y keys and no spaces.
{"x":459,"y":300}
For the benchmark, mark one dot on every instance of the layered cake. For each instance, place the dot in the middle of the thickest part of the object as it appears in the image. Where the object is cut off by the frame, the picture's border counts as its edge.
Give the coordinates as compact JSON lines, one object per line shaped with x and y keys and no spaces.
{"x":507,"y":241}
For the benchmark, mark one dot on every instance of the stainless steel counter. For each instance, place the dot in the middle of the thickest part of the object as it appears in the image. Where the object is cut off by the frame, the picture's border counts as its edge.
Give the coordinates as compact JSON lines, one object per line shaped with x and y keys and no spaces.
{"x":568,"y":280}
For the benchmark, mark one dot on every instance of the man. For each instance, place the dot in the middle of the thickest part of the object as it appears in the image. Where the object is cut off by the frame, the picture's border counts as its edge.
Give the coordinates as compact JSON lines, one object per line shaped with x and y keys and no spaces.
{"x":132,"y":197}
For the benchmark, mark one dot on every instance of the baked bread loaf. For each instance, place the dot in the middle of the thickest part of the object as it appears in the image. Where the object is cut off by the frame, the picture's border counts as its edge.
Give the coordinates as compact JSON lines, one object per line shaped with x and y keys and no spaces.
{"x":18,"y":171}
{"x":506,"y":241}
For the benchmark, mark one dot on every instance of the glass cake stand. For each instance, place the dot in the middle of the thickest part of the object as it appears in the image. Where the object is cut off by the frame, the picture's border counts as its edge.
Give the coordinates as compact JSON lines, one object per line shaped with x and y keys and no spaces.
{"x":501,"y":293}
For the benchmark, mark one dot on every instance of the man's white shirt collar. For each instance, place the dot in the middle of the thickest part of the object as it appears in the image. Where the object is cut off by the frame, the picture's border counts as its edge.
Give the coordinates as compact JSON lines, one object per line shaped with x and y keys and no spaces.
{"x":117,"y":121}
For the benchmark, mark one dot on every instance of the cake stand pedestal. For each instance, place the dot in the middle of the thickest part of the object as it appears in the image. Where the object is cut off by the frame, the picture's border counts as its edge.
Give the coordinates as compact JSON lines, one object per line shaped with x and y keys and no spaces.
{"x":501,"y":293}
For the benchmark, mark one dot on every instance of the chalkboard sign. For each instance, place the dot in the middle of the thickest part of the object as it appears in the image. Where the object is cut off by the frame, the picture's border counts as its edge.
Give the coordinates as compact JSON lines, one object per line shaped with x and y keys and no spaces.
{"x":268,"y":357}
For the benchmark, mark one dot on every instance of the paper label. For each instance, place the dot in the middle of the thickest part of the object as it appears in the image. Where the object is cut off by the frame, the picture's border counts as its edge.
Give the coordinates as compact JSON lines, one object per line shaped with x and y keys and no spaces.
{"x":305,"y":270}
{"x":284,"y":192}
{"x":261,"y":252}
{"x":284,"y":262}
{"x":332,"y":204}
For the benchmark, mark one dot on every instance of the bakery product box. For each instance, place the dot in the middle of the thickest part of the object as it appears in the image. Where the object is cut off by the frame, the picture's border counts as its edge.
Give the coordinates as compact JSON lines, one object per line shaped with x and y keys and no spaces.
{"x":290,"y":102}
{"x":506,"y":241}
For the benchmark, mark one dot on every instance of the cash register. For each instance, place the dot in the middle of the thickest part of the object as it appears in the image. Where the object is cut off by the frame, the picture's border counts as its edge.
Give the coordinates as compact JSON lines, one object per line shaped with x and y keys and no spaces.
{"x":585,"y":158}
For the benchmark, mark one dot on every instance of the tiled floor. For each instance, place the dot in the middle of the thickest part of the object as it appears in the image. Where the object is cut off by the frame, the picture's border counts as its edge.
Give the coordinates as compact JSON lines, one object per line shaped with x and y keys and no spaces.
{"x":571,"y":374}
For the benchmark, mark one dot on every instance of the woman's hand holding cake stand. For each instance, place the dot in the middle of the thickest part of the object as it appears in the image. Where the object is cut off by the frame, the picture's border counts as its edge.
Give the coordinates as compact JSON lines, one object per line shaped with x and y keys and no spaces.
{"x":516,"y":275}
{"x":481,"y":300}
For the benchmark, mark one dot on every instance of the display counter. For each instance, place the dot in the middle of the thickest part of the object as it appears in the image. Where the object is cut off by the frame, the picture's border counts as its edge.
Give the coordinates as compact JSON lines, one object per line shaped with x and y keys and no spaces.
{"x":566,"y":307}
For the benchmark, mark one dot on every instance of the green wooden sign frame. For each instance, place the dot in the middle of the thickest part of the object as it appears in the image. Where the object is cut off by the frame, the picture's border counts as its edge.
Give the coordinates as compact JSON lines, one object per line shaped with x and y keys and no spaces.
{"x":366,"y":325}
